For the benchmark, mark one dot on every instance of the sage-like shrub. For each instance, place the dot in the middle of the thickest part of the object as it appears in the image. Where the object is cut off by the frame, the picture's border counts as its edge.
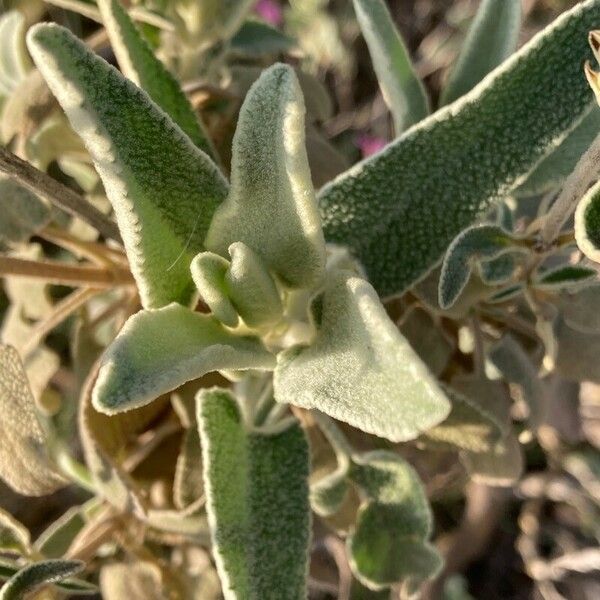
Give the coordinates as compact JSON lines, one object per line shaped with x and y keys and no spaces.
{"x":235,"y":372}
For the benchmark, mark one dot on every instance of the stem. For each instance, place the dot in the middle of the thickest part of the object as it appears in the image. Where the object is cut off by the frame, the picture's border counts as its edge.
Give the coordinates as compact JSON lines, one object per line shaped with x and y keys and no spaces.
{"x":56,"y":193}
{"x":74,"y":470}
{"x":333,"y":434}
{"x":264,"y":405}
{"x":63,"y":274}
{"x":586,"y":172}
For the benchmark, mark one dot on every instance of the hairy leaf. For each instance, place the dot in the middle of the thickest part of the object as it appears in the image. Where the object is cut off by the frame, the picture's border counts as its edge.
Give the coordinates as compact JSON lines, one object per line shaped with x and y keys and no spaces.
{"x":164,"y":190}
{"x":393,"y":525}
{"x":38,"y":574}
{"x":566,"y":276}
{"x":56,"y":539}
{"x":400,"y":209}
{"x":360,"y":369}
{"x":402,"y":89}
{"x":256,"y":38}
{"x":14,"y":61}
{"x":491,"y":39}
{"x":14,"y":536}
{"x":257,"y":501}
{"x":159,"y":350}
{"x":24,"y":461}
{"x":271,"y":205}
{"x":137,"y":61}
{"x":327,"y":495}
{"x":587,"y":223}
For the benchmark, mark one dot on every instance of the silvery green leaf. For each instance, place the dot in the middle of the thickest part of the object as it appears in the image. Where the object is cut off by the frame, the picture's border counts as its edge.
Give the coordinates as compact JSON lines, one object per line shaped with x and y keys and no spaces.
{"x":257,"y":38}
{"x":252,"y":290}
{"x":187,"y":484}
{"x":497,"y":270}
{"x":399,"y":210}
{"x":208,"y":272}
{"x":328,"y":493}
{"x":560,"y":163}
{"x":163,"y":188}
{"x":21,"y":213}
{"x":25,"y":463}
{"x":566,"y":277}
{"x":35,"y":575}
{"x":14,"y":536}
{"x":587,"y":223}
{"x":138,"y":62}
{"x":14,"y":61}
{"x":481,"y":242}
{"x":360,"y":369}
{"x":257,"y":501}
{"x":137,"y":580}
{"x":159,"y":350}
{"x":402,"y":89}
{"x":491,"y":39}
{"x":580,"y":309}
{"x":508,"y":293}
{"x":54,"y":541}
{"x":271,"y":205}
{"x":390,"y":542}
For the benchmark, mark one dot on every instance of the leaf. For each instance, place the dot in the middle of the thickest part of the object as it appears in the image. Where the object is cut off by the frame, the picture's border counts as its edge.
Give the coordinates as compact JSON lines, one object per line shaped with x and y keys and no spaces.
{"x":399,"y":210}
{"x":144,"y":363}
{"x":24,"y":461}
{"x":560,"y":163}
{"x":134,"y":581}
{"x":14,"y":536}
{"x":491,"y":39}
{"x":587,"y":223}
{"x":360,"y":369}
{"x":38,"y":574}
{"x":565,"y":277}
{"x":14,"y":62}
{"x":162,"y":188}
{"x":256,"y":38}
{"x":187,"y":485}
{"x":475,"y":243}
{"x":138,"y":63}
{"x":257,"y":501}
{"x":271,"y":205}
{"x":56,"y":539}
{"x":219,"y":19}
{"x":328,"y":494}
{"x":390,"y":543}
{"x":402,"y":89}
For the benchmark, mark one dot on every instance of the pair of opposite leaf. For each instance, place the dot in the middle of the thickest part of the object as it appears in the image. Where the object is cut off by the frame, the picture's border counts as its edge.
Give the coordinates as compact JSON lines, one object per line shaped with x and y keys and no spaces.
{"x":248,"y":244}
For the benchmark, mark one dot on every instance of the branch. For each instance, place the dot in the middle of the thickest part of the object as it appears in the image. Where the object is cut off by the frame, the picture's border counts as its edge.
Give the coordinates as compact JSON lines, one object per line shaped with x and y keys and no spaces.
{"x":55,"y":192}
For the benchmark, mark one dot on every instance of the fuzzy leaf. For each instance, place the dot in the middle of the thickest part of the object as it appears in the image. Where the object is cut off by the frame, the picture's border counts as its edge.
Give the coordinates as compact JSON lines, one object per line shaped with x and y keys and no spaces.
{"x":257,"y":501}
{"x":399,"y":210}
{"x":38,"y":574}
{"x":393,"y":525}
{"x":14,"y":61}
{"x":476,"y":243}
{"x":138,"y":62}
{"x":56,"y":539}
{"x":164,"y":190}
{"x":402,"y":89}
{"x":328,"y":494}
{"x":587,"y":223}
{"x":271,"y":205}
{"x":360,"y":369}
{"x":24,"y":461}
{"x":491,"y":39}
{"x":565,"y":277}
{"x":159,"y":350}
{"x":256,"y":38}
{"x":14,"y":536}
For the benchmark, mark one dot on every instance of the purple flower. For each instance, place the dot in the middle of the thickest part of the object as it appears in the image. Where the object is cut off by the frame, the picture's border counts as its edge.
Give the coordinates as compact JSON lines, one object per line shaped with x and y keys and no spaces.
{"x":270,"y":11}
{"x":369,"y":144}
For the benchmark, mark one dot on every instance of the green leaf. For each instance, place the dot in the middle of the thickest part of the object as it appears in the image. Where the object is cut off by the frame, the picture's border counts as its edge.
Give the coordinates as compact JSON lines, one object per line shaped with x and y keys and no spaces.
{"x":159,"y":350}
{"x":257,"y":501}
{"x":38,"y":574}
{"x":587,"y":223}
{"x":327,"y":495}
{"x":360,"y":369}
{"x":491,"y":39}
{"x":164,"y":190}
{"x":399,"y":210}
{"x":14,"y":536}
{"x":474,"y":244}
{"x":393,"y":525}
{"x":24,"y":460}
{"x":138,"y":63}
{"x":558,"y":165}
{"x":402,"y":89}
{"x":57,"y":538}
{"x":256,"y":38}
{"x":271,"y":205}
{"x":566,"y":276}
{"x":14,"y":61}
{"x":219,"y":19}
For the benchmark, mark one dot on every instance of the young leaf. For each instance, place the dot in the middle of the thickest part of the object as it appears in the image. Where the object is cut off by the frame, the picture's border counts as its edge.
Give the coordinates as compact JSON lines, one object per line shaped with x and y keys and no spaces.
{"x":566,"y":277}
{"x":256,"y":38}
{"x":327,"y":495}
{"x":399,"y":210}
{"x":38,"y":574}
{"x":587,"y":223}
{"x":491,"y":39}
{"x":393,"y":525}
{"x":24,"y":461}
{"x":137,"y":61}
{"x":14,"y":536}
{"x":159,"y":350}
{"x":402,"y":89}
{"x":257,"y":501}
{"x":14,"y":62}
{"x":164,"y":190}
{"x":56,"y":539}
{"x":360,"y":369}
{"x":475,"y":243}
{"x":271,"y":205}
